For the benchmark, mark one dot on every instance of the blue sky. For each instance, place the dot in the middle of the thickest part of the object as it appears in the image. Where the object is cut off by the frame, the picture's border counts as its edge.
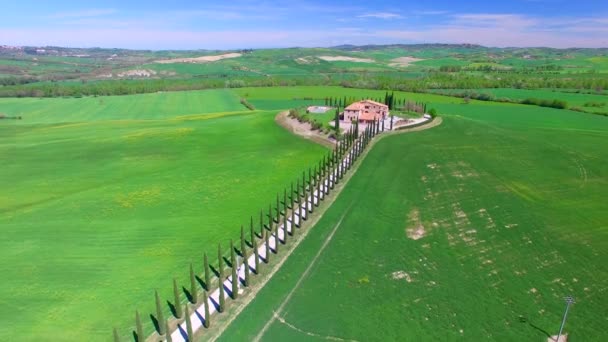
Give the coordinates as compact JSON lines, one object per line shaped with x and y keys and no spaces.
{"x":309,"y":23}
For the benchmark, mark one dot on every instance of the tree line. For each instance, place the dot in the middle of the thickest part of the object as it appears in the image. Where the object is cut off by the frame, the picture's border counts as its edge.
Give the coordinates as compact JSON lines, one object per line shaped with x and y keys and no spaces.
{"x":291,"y":210}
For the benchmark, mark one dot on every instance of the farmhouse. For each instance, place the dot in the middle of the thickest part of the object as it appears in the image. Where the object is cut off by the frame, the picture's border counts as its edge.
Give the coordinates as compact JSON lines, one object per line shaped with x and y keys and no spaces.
{"x":365,"y":111}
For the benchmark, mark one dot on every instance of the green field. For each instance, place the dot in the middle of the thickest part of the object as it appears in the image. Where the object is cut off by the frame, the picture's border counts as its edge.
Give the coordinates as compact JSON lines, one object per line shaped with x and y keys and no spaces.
{"x":512,"y":201}
{"x":106,"y":199}
{"x":588,"y":102}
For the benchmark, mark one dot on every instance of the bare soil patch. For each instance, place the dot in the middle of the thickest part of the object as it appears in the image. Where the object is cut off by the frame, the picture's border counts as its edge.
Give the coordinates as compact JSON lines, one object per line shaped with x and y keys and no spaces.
{"x":137,"y":73}
{"x":415,"y":230}
{"x":346,"y":59}
{"x":404,"y":61}
{"x":202,"y":59}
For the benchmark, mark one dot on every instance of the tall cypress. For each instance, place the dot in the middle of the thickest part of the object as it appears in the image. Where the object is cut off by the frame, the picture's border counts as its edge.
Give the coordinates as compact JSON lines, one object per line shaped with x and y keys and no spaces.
{"x":285,"y":232}
{"x":246,"y":266}
{"x":293,"y":218}
{"x":278,"y":210}
{"x":221,"y":278}
{"x":116,"y":337}
{"x":251,"y":231}
{"x":270,"y":218}
{"x":139,"y":330}
{"x":189,"y":331}
{"x":256,"y":253}
{"x":207,"y":272}
{"x":159,"y":314}
{"x":235,"y":279}
{"x":277,"y":241}
{"x":193,"y":287}
{"x":261,"y":222}
{"x":168,"y":338}
{"x":177,"y":303}
{"x":291,"y":196}
{"x":207,"y":322}
{"x":243,"y":241}
{"x":267,"y":245}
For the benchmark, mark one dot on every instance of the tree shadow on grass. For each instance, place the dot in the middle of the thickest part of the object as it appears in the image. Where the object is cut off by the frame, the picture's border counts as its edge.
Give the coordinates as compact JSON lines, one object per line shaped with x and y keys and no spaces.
{"x":523,"y":319}
{"x":214,"y":270}
{"x":202,"y":283}
{"x":155,"y":322}
{"x":188,"y":294}
{"x":172,"y":308}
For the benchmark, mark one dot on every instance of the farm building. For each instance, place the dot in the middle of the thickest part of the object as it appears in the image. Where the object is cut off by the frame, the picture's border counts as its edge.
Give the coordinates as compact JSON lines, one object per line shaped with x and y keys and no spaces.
{"x":365,"y":111}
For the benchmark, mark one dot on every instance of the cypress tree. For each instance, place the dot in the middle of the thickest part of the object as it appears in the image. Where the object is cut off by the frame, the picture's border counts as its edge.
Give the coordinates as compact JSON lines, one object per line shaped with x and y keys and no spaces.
{"x":278,"y":209}
{"x":159,"y":314}
{"x":256,"y":252}
{"x":220,"y":262}
{"x":139,"y":330}
{"x":304,"y":183}
{"x":261,"y":222}
{"x":267,"y":243}
{"x":291,"y":196}
{"x":246,"y":267}
{"x":251,"y":232}
{"x":235,"y":279}
{"x":189,"y":331}
{"x":293,"y":219}
{"x":116,"y":337}
{"x":270,"y":221}
{"x":207,"y":313}
{"x":337,"y":121}
{"x":193,"y":288}
{"x":168,"y":337}
{"x":277,"y":241}
{"x":297,"y":191}
{"x":177,"y":301}
{"x":207,"y":272}
{"x":392,"y":117}
{"x":285,"y":230}
{"x":270,"y":218}
{"x":222,"y":303}
{"x":285,"y":201}
{"x":243,"y":241}
{"x":382,"y":125}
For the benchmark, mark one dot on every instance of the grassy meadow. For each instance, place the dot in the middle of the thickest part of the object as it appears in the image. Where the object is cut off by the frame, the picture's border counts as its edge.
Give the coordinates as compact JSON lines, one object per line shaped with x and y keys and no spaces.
{"x":473,"y":230}
{"x":105,"y":199}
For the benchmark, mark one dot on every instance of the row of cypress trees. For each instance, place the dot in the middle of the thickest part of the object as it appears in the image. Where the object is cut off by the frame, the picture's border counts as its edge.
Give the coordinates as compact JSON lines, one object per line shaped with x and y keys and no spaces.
{"x":303,"y":197}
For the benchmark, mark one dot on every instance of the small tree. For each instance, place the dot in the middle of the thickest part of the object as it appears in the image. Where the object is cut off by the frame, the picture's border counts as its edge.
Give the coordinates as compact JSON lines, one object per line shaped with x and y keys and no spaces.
{"x":243,"y":241}
{"x":246,"y":266}
{"x":168,"y":337}
{"x":139,"y":330}
{"x":193,"y":288}
{"x":337,"y":121}
{"x":261,"y":222}
{"x":177,"y":301}
{"x":251,"y":232}
{"x":159,"y":314}
{"x":116,"y":337}
{"x":207,"y":272}
{"x":278,"y":210}
{"x":189,"y":331}
{"x":235,"y":279}
{"x":256,"y":252}
{"x":267,"y":242}
{"x":207,"y":322}
{"x":221,"y":278}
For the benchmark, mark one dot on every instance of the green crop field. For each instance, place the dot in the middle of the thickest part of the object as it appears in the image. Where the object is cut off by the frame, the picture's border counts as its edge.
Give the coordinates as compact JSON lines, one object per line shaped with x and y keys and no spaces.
{"x":473,"y":230}
{"x":589,"y":102}
{"x":105,"y":199}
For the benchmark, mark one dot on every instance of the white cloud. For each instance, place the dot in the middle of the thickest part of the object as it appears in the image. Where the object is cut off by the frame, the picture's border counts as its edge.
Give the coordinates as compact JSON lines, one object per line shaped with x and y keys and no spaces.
{"x":381,"y":15}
